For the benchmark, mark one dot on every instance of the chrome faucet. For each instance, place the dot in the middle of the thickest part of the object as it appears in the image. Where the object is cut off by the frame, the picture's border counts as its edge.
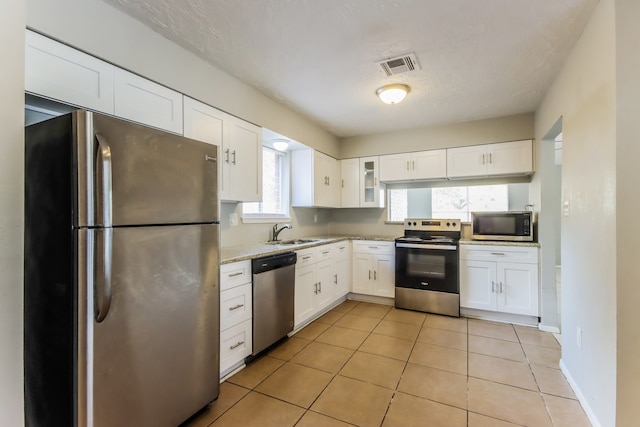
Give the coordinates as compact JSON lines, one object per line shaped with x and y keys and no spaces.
{"x":276,"y":231}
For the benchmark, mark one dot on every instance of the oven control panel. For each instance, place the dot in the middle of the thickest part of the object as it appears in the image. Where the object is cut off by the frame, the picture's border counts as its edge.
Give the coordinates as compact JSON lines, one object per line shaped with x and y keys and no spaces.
{"x":432,"y":224}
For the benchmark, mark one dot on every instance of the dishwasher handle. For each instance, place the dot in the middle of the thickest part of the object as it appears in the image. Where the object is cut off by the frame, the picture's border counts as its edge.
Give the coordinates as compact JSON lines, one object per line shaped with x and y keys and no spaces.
{"x":272,"y":262}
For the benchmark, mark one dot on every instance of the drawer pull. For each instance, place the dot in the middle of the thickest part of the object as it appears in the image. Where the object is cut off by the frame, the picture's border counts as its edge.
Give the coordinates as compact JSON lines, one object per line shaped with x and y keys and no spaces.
{"x":235,"y":307}
{"x":498,"y":253}
{"x":306,"y":257}
{"x":236,"y":345}
{"x":240,"y":273}
{"x":325,"y":252}
{"x":373,"y":247}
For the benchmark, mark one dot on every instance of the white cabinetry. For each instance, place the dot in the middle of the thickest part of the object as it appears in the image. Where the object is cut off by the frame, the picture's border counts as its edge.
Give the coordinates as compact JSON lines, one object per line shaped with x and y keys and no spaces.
{"x":235,"y":315}
{"x":315,"y":179}
{"x":422,"y":165}
{"x":321,"y":279}
{"x":374,"y":268}
{"x":240,"y":144}
{"x":505,"y":158}
{"x":499,"y":278}
{"x":146,"y":102}
{"x":59,"y":72}
{"x":370,"y":191}
{"x":350,"y":183}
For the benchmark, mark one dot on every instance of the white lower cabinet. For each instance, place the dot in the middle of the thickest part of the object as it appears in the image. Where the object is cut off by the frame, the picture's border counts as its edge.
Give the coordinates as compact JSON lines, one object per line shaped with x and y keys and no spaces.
{"x":499,"y":278}
{"x":321,"y":279}
{"x":374,"y":268}
{"x":236,"y":305}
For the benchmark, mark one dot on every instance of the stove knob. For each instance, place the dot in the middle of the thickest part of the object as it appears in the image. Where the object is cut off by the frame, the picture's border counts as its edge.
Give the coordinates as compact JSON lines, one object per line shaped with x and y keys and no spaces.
{"x":454,"y":224}
{"x":448,"y":224}
{"x":414,"y":223}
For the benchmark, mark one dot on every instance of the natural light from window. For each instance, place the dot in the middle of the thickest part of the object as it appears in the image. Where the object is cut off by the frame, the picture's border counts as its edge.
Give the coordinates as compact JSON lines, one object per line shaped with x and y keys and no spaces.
{"x":275,"y":188}
{"x":454,"y":202}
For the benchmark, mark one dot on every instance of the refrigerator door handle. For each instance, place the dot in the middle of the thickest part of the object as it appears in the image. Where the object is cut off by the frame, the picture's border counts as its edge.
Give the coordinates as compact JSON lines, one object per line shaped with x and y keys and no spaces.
{"x":102,"y":282}
{"x":104,"y":180}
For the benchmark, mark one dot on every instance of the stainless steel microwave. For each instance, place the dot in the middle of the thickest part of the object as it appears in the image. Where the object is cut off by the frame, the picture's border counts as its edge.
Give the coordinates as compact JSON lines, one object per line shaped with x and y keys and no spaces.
{"x":515,"y":226}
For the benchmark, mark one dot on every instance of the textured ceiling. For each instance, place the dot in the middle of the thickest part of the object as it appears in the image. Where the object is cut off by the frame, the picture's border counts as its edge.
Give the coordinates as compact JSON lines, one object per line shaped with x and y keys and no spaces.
{"x":478,"y":58}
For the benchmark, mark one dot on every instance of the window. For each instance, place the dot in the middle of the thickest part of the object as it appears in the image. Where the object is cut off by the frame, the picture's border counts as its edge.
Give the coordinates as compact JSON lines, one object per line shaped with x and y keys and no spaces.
{"x":455,"y":202}
{"x":275,"y":189}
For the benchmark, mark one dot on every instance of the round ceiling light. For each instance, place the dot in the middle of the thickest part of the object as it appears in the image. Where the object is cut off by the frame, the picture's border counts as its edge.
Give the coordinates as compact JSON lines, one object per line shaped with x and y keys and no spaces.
{"x":280,"y":144}
{"x":392,"y":94}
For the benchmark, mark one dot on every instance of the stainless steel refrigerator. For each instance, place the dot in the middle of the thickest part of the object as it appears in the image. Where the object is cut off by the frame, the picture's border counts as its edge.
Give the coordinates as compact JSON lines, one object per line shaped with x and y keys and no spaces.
{"x":121,"y":274}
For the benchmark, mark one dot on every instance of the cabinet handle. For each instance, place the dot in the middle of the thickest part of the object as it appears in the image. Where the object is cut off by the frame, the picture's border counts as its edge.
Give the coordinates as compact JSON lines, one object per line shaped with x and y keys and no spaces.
{"x":493,"y":287}
{"x":483,"y":159}
{"x":329,"y":180}
{"x":413,"y":164}
{"x":306,"y":257}
{"x":233,"y":153}
{"x":369,"y":274}
{"x":407,"y":164}
{"x":375,"y":182}
{"x":325,"y":252}
{"x":375,"y":275}
{"x":236,"y":345}
{"x":490,"y":158}
{"x":498,"y":253}
{"x":235,"y":307}
{"x":335,"y":279}
{"x":501,"y":288}
{"x":343,"y":183}
{"x":226,"y":155}
{"x":373,"y":247}
{"x":319,"y":287}
{"x":240,"y":273}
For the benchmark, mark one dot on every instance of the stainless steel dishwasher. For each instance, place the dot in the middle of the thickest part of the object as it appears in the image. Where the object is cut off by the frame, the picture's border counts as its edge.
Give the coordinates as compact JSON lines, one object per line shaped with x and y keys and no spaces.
{"x":273,"y":296}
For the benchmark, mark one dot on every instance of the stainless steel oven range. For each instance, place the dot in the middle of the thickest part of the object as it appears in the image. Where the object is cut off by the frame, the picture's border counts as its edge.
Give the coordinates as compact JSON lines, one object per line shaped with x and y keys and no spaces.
{"x":427,"y":266}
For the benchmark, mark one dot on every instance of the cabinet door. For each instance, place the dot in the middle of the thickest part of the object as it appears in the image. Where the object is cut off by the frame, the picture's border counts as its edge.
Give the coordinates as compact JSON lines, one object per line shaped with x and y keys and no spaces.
{"x":430,"y":164}
{"x":304,"y":294}
{"x":335,"y":188}
{"x":342,"y":271}
{"x":467,"y":161}
{"x":478,"y":285}
{"x":509,"y":158}
{"x":518,"y":288}
{"x":395,"y":167}
{"x":362,"y":274}
{"x":321,"y":179}
{"x":236,"y":343}
{"x":60,"y":72}
{"x":350,"y":183}
{"x":369,"y":183}
{"x":325,"y":279}
{"x":384,"y":276}
{"x":146,"y":102}
{"x":235,"y":305}
{"x":245,"y":162}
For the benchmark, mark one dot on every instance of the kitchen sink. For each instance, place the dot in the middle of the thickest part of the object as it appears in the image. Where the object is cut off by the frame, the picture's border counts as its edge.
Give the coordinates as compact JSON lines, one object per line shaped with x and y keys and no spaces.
{"x":291,"y":242}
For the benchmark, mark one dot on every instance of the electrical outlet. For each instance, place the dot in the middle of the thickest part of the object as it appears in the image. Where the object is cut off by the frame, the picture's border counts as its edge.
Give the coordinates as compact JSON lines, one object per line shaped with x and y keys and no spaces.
{"x":579,"y":337}
{"x":233,"y":219}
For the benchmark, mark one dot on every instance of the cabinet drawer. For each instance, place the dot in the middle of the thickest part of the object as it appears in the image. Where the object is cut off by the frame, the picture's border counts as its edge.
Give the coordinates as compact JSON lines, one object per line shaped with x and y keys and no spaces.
{"x":235,"y":344}
{"x":525,"y":254}
{"x":373,"y":247}
{"x":235,"y":305}
{"x":324,"y":252}
{"x":235,"y":274}
{"x":306,"y":257}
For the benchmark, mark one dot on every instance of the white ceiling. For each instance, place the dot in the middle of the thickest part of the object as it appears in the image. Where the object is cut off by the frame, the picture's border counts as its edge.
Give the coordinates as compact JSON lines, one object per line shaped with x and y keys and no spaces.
{"x":478,"y":58}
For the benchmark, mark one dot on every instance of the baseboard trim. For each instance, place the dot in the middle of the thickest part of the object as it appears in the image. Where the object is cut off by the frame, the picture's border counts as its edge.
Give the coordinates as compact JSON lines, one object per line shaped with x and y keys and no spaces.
{"x":547,"y":328}
{"x":495,"y":316}
{"x":583,"y":400}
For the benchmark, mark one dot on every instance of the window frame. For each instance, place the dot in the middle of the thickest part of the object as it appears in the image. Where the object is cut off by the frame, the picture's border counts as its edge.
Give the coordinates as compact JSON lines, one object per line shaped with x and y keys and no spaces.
{"x":285,"y":189}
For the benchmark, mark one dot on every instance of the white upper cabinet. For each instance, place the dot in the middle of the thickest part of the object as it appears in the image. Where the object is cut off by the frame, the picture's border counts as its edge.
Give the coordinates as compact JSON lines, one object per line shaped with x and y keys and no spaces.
{"x":59,"y":72}
{"x":350,"y":183}
{"x":370,"y":187}
{"x":144,"y":101}
{"x":315,"y":179}
{"x":240,"y":145}
{"x":505,"y":158}
{"x":422,"y":165}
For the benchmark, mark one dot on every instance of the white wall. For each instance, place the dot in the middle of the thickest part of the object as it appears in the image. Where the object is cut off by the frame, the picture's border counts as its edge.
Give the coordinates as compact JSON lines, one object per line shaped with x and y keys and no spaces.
{"x":12,"y":22}
{"x":583,"y":95}
{"x":628,"y":205}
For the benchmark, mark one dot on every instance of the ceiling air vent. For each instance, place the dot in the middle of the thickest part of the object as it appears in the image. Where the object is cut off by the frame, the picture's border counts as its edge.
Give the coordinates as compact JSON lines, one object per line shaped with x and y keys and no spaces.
{"x":399,"y":64}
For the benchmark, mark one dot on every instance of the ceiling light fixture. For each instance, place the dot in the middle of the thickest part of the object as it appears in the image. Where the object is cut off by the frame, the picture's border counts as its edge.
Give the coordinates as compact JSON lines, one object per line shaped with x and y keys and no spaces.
{"x":392,"y":94}
{"x":280,"y":144}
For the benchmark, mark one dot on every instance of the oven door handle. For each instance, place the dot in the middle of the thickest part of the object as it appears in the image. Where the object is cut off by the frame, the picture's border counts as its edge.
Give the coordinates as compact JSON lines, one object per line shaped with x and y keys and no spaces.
{"x":427,"y":246}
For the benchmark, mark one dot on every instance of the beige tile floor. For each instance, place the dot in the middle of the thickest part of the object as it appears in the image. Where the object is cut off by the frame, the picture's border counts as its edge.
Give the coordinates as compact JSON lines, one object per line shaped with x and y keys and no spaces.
{"x":365,"y":364}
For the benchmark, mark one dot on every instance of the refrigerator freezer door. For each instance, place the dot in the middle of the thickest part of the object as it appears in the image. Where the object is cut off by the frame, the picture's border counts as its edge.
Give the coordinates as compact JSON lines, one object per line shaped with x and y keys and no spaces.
{"x":129,"y":174}
{"x":154,"y":357}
